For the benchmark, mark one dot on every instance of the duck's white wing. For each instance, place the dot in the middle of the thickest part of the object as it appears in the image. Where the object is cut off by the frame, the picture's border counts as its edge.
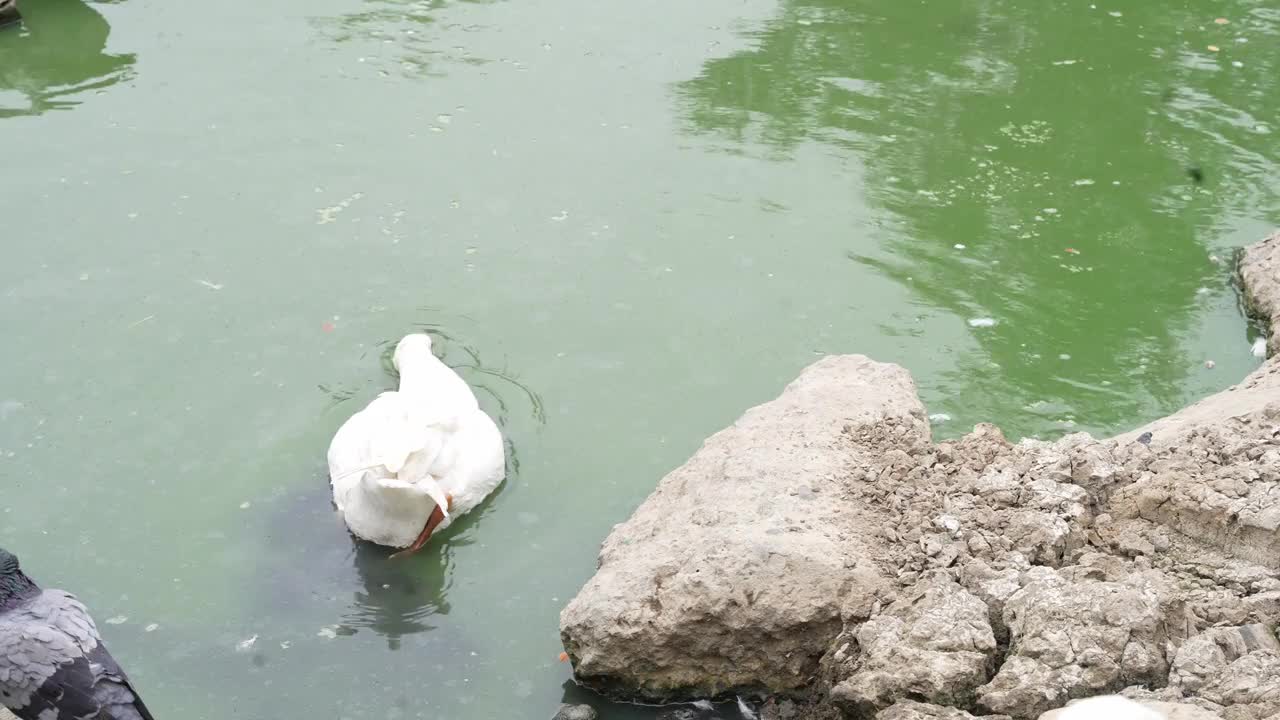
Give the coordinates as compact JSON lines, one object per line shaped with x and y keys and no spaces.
{"x":472,"y":464}
{"x":383,"y":437}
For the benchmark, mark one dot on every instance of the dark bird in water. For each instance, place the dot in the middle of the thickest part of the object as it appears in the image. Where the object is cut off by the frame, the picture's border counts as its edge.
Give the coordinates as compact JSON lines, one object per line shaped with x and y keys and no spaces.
{"x":1196,"y":174}
{"x":53,"y":665}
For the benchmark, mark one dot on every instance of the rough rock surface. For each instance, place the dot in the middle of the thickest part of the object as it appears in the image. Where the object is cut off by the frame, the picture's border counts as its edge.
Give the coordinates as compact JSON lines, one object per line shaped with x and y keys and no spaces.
{"x":1259,"y":269}
{"x":910,"y":710}
{"x":938,"y":629}
{"x":1072,"y":635}
{"x":737,"y":572}
{"x":575,"y":712}
{"x":824,"y":549}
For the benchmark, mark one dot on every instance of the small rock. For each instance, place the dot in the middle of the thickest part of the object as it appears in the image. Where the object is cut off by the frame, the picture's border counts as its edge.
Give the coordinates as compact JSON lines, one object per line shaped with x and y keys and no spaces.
{"x":935,"y":643}
{"x":575,"y":712}
{"x":910,"y":710}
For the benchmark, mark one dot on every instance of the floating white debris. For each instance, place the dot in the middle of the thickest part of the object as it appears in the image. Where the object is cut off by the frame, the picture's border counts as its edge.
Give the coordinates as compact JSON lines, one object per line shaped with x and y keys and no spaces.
{"x":1065,"y":62}
{"x":564,"y":215}
{"x":247,"y":644}
{"x":703,"y":705}
{"x":982,"y":322}
{"x":1064,"y":356}
{"x":959,"y":246}
{"x":1259,"y":349}
{"x":939,"y":418}
{"x":152,"y":627}
{"x":1209,"y":364}
{"x":1084,"y":181}
{"x":245,"y":505}
{"x":285,"y":644}
{"x":328,"y":633}
{"x":118,"y":620}
{"x":324,"y":216}
{"x":1237,"y":64}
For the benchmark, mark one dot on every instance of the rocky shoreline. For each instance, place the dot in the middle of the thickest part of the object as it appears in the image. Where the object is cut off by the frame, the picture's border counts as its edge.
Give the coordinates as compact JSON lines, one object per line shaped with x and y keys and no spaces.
{"x":825,"y":557}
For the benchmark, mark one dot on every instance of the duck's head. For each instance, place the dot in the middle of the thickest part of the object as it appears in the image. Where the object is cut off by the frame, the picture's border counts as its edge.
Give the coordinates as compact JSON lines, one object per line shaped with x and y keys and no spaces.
{"x":414,"y":348}
{"x":14,"y":584}
{"x":8,"y":563}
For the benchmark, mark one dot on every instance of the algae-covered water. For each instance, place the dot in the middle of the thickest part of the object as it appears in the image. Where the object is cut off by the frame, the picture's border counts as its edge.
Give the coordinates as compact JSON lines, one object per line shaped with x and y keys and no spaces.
{"x":627,"y":221}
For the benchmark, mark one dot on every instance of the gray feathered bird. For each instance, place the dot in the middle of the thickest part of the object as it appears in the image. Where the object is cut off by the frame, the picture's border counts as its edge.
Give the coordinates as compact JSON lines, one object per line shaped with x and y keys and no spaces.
{"x":53,"y":665}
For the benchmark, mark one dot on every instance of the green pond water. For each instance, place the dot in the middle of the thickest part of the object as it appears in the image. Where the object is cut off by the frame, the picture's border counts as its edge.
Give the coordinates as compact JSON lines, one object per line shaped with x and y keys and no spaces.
{"x":628,"y":222}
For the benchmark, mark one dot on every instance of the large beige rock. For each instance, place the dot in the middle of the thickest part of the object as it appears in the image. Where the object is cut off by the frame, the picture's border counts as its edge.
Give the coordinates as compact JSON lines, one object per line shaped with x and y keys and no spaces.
{"x":824,"y":548}
{"x":1250,"y":680}
{"x":1220,"y":485}
{"x":934,"y":644}
{"x":1202,"y":659}
{"x":1260,"y":277}
{"x":733,"y":574}
{"x":1077,"y":638}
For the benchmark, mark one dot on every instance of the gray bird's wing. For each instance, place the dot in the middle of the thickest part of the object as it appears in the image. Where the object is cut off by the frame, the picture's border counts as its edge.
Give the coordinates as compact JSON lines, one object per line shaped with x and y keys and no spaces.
{"x":53,"y":665}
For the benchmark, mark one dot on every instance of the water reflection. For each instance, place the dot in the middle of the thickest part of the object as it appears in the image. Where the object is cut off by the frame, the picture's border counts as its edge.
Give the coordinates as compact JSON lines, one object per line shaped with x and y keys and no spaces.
{"x":406,"y":33}
{"x":399,"y":596}
{"x":1029,"y":163}
{"x":58,"y":53}
{"x":313,"y":567}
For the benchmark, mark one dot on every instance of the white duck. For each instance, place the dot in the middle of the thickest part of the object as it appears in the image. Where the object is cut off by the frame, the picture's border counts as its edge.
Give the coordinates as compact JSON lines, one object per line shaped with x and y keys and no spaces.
{"x":415,"y":458}
{"x":1104,"y":707}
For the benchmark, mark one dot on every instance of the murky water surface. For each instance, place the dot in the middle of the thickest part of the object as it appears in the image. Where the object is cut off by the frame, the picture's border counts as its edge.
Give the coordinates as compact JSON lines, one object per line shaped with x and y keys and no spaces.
{"x":628,"y":221}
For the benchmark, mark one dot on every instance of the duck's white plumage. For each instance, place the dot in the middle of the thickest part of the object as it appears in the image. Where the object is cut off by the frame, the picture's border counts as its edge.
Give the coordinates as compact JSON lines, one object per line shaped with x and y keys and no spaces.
{"x":1106,"y":707}
{"x":394,"y":462}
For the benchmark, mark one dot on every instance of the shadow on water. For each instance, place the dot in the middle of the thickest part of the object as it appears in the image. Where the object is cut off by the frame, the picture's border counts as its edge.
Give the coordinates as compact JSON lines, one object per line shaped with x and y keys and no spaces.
{"x":314,"y":567}
{"x":1032,"y":164}
{"x":57,"y":54}
{"x":406,"y":32}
